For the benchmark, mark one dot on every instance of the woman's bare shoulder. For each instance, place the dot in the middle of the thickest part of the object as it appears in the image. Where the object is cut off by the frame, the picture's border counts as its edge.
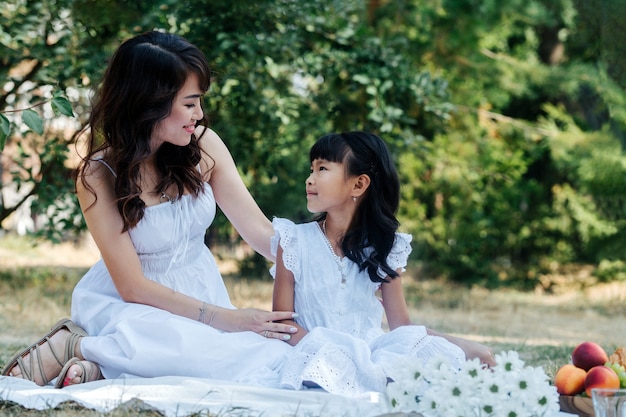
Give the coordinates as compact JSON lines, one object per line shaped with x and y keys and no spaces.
{"x":95,"y":174}
{"x":207,"y":137}
{"x":214,"y":151}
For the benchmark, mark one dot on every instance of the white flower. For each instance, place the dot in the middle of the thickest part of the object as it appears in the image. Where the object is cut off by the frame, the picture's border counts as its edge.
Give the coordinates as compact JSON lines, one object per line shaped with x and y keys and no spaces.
{"x":509,"y":389}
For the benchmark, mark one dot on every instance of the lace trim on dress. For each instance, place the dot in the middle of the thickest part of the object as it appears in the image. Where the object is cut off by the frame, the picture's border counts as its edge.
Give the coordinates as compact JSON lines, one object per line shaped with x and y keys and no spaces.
{"x":400,"y":251}
{"x":285,"y":234}
{"x":337,"y":368}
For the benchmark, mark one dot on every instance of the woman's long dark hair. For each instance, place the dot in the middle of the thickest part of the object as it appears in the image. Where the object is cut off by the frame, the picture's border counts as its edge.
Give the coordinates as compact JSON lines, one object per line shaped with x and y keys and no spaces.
{"x":374,"y":223}
{"x":137,"y":91}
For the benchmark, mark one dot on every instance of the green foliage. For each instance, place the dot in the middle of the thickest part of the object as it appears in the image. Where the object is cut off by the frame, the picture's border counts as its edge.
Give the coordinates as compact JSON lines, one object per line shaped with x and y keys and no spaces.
{"x":500,"y":196}
{"x":33,"y":121}
{"x":38,"y":47}
{"x":611,"y":270}
{"x":254,"y":267}
{"x":590,"y":200}
{"x":475,"y":203}
{"x":5,"y":129}
{"x":506,"y":119}
{"x":294,"y":71}
{"x":60,"y":105}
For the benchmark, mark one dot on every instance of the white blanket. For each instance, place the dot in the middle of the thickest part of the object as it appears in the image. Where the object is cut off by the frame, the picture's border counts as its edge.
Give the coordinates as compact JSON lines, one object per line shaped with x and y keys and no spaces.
{"x":179,"y":396}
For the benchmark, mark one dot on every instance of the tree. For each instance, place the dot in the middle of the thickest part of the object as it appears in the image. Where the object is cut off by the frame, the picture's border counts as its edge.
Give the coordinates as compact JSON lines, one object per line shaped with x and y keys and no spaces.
{"x":508,"y":190}
{"x":49,"y":58}
{"x":498,"y":113}
{"x":37,"y":62}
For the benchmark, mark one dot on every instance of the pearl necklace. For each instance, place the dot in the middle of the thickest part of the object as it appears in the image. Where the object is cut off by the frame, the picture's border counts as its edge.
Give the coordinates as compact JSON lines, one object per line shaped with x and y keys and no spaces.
{"x":335,"y":256}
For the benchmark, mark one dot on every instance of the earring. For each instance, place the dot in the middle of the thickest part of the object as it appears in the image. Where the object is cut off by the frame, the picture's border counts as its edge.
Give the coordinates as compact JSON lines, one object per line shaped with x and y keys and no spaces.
{"x":354,"y":199}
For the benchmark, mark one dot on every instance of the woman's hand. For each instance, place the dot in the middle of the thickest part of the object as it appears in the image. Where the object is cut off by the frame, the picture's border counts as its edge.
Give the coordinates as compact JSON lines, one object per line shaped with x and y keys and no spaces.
{"x":256,"y":320}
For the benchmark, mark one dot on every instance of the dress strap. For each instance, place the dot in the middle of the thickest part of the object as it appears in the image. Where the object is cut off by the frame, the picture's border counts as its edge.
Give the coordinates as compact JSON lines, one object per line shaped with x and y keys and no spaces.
{"x":103,"y":162}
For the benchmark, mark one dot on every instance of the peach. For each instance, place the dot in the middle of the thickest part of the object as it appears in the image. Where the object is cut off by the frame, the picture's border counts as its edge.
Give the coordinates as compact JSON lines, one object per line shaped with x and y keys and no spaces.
{"x":570,"y":380}
{"x":601,"y":377}
{"x":588,"y":354}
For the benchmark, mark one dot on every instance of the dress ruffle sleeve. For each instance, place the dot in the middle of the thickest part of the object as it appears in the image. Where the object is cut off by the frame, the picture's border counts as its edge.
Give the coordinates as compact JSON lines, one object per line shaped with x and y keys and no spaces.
{"x":399,"y":255}
{"x":286,"y":236}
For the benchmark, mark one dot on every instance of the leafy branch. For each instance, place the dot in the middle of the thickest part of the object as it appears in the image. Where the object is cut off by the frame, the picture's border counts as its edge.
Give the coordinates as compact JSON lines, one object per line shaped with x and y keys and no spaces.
{"x":32,"y":119}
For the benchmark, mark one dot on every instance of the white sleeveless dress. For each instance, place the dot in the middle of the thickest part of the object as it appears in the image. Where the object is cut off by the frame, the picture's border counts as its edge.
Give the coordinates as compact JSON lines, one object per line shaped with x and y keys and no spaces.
{"x":128,"y":339}
{"x":346,"y":350}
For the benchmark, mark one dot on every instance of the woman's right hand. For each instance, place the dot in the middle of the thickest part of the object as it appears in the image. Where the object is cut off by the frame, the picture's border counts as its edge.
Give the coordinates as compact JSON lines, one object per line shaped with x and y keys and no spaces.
{"x":256,"y":320}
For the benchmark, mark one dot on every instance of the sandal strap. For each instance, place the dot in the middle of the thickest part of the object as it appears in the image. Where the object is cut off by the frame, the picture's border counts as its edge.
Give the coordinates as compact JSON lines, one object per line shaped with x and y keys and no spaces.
{"x":42,"y":372}
{"x":70,"y":346}
{"x":94,"y":373}
{"x":60,"y":360}
{"x":28,"y":371}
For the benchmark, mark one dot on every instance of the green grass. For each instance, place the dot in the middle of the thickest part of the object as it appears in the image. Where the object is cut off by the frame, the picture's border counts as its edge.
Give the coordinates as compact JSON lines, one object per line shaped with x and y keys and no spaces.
{"x":543,"y":328}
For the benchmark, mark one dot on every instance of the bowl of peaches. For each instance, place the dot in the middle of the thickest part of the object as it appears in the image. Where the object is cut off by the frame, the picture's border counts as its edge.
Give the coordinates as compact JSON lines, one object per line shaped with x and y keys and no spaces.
{"x":590,"y":368}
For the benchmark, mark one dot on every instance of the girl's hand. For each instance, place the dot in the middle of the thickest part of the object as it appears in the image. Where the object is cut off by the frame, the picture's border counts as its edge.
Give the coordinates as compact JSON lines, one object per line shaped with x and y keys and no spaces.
{"x":471,"y":349}
{"x":477,"y":350}
{"x":258,"y":321}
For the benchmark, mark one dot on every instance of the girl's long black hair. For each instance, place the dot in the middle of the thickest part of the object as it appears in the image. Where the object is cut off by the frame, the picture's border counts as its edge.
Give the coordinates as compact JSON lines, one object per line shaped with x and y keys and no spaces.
{"x":138,"y":88}
{"x":374,"y":223}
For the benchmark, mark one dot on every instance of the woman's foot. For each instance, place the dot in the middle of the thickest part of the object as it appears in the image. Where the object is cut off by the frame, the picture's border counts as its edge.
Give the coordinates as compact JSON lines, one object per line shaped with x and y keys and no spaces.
{"x":78,"y":371}
{"x":42,"y":361}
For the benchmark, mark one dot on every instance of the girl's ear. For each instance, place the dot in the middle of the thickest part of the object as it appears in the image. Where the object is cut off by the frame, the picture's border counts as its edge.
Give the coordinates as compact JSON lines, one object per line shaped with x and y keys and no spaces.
{"x":360,"y":186}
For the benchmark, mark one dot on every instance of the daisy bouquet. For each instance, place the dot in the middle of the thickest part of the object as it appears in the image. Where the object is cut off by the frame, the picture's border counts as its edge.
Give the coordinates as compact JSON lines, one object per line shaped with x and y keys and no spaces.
{"x":509,"y":389}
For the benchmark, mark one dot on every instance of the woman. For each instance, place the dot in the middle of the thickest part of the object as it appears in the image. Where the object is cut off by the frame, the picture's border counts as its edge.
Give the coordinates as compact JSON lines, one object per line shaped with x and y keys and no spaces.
{"x":156,"y":304}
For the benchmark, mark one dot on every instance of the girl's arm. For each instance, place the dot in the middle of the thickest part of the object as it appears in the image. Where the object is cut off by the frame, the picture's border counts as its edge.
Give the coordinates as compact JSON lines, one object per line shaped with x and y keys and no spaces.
{"x":234,"y":198}
{"x":472,"y":349}
{"x":283,"y":295}
{"x":394,"y":303}
{"x":118,"y":252}
{"x":397,"y":315}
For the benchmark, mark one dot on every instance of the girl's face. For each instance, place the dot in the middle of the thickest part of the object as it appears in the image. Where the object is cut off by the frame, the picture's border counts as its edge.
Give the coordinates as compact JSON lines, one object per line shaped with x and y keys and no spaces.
{"x":327,"y":188}
{"x":180,"y":124}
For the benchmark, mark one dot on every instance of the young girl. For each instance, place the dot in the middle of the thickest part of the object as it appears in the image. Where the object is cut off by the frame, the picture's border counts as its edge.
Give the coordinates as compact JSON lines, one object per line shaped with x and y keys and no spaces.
{"x":329,"y":271}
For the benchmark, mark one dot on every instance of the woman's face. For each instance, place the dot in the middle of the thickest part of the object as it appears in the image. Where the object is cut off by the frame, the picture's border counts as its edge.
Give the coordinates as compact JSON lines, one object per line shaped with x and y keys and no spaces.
{"x":180,"y":124}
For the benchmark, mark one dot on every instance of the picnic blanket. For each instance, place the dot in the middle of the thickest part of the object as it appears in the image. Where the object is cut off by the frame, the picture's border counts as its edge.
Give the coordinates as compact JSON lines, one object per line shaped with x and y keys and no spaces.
{"x":182,"y":396}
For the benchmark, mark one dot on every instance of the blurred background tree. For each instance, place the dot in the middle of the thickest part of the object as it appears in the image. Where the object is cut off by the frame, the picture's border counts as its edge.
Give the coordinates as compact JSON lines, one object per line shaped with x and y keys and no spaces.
{"x":506,"y":119}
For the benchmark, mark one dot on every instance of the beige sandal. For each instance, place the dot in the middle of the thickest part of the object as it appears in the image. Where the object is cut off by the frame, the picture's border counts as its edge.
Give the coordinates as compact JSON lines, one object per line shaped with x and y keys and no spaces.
{"x":76,"y":333}
{"x":94,"y":375}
